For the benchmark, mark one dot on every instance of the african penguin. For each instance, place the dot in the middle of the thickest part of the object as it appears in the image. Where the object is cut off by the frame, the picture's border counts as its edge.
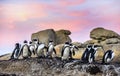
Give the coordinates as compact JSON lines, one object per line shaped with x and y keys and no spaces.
{"x":25,"y":51}
{"x":35,"y":42}
{"x":32,"y":47}
{"x":65,"y":53}
{"x":85,"y":54}
{"x":50,"y":49}
{"x":92,"y":53}
{"x":72,"y":49}
{"x":16,"y":51}
{"x":108,"y":56}
{"x":41,"y":50}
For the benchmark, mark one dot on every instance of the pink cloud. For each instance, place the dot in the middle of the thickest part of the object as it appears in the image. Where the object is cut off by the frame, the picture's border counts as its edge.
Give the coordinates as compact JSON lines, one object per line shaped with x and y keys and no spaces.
{"x":78,"y":13}
{"x":18,"y":21}
{"x":69,"y":24}
{"x":70,"y":2}
{"x":17,"y":12}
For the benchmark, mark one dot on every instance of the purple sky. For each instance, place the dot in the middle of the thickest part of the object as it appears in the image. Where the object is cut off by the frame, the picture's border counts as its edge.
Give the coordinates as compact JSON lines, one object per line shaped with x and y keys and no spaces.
{"x":20,"y":18}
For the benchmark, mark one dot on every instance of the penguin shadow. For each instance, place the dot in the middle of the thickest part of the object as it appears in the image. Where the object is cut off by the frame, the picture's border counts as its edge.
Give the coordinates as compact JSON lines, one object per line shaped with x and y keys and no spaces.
{"x":41,"y":57}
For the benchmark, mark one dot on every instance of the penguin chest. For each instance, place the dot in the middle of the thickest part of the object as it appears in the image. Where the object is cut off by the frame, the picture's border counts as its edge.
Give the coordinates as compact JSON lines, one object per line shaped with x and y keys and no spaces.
{"x":16,"y":53}
{"x":109,"y":57}
{"x":91,"y":58}
{"x":50,"y":49}
{"x":66,"y":53}
{"x":108,"y":60}
{"x":35,"y":46}
{"x":32,"y":48}
{"x":25,"y":51}
{"x":40,"y":50}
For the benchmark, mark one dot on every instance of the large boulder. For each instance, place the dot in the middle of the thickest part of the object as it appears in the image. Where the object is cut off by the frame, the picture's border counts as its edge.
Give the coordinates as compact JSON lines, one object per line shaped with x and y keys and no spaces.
{"x":58,"y":37}
{"x":91,"y":42}
{"x":103,"y":34}
{"x":45,"y":35}
{"x":111,"y":41}
{"x":63,"y":36}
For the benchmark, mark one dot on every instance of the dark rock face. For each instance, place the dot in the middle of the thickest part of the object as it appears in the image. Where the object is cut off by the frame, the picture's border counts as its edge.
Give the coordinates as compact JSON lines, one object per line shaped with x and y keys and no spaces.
{"x":55,"y":67}
{"x":8,"y":75}
{"x":103,"y":34}
{"x":93,"y":70}
{"x":58,"y":37}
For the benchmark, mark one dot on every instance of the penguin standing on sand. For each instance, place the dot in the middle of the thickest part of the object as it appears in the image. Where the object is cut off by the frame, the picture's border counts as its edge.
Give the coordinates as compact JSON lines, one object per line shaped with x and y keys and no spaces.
{"x":32,"y":47}
{"x":65,"y":53}
{"x":25,"y":51}
{"x":40,"y":50}
{"x":16,"y":51}
{"x":108,"y":57}
{"x":50,"y":49}
{"x":84,"y":57}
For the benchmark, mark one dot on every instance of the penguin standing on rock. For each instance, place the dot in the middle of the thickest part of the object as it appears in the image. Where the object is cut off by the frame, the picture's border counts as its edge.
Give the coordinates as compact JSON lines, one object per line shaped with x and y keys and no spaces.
{"x":16,"y":51}
{"x":32,"y":47}
{"x":92,"y":53}
{"x":108,"y":57}
{"x":72,"y":49}
{"x":35,"y":42}
{"x":50,"y":49}
{"x":40,"y":50}
{"x":25,"y":51}
{"x":66,"y":53}
{"x":89,"y":54}
{"x":84,"y":57}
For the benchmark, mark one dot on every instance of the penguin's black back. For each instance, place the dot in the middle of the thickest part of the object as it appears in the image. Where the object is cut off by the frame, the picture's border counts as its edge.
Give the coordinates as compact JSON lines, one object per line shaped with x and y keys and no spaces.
{"x":109,"y":52}
{"x":84,"y":55}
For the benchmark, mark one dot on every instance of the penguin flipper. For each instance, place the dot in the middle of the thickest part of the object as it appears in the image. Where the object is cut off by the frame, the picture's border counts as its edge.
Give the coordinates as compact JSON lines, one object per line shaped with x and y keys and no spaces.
{"x":34,"y":52}
{"x":73,"y":52}
{"x":12,"y":56}
{"x":62,"y":51}
{"x":30,"y":53}
{"x":54,"y":50}
{"x":103,"y":59}
{"x":21,"y":51}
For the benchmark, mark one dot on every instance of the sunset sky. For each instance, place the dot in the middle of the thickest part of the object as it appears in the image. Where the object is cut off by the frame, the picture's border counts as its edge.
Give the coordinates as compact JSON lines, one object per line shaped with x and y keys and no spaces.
{"x":20,"y":18}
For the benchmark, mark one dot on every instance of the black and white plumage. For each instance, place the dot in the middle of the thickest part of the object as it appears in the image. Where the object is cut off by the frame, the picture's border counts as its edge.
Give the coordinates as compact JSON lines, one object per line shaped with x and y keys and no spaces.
{"x":65,"y":53}
{"x":32,"y":47}
{"x":41,"y":50}
{"x":92,"y":53}
{"x":35,"y":43}
{"x":108,"y":56}
{"x":50,"y":49}
{"x":25,"y":51}
{"x":89,"y":54}
{"x":68,"y":51}
{"x":16,"y":51}
{"x":72,"y":50}
{"x":84,"y":57}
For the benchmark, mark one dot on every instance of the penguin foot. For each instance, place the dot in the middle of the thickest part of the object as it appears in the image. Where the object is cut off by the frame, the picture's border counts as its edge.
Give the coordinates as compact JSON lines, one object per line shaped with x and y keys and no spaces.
{"x":39,"y":57}
{"x":49,"y":57}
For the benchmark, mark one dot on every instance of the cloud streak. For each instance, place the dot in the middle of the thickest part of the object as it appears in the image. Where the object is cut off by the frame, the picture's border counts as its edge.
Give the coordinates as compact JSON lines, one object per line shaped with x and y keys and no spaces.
{"x":18,"y":19}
